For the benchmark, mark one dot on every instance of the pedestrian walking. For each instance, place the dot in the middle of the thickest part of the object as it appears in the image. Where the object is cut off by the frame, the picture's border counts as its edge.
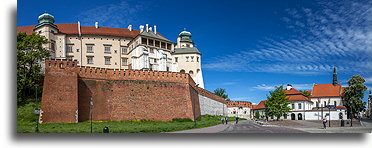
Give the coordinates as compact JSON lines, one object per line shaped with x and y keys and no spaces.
{"x":325,"y":122}
{"x":226,"y":120}
{"x":236,"y":120}
{"x":223,"y":120}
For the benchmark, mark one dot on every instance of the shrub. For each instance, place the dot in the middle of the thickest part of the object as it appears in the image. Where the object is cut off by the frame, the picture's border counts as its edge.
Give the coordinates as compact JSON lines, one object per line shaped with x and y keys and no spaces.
{"x":26,"y":113}
{"x":182,"y":119}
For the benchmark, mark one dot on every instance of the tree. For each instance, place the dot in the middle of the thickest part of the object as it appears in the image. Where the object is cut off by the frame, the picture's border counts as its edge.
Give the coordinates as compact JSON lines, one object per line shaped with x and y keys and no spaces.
{"x":354,"y":94}
{"x":277,"y":103}
{"x":257,"y":115}
{"x":222,"y":93}
{"x":30,"y":52}
{"x":305,"y":93}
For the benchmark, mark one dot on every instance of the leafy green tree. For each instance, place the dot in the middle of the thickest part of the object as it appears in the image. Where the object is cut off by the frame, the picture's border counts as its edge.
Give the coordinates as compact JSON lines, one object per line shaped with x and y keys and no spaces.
{"x":277,"y":103}
{"x":354,"y":94}
{"x":306,"y":93}
{"x":30,"y":52}
{"x":222,"y":93}
{"x":257,"y":115}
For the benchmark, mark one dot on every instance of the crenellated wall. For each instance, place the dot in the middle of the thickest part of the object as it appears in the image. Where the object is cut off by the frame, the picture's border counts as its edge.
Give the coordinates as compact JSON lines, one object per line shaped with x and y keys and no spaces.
{"x":116,"y":94}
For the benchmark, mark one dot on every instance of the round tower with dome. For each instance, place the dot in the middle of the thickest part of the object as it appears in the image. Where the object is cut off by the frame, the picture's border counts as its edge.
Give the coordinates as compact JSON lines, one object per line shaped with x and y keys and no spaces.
{"x":47,"y":28}
{"x":187,"y":58}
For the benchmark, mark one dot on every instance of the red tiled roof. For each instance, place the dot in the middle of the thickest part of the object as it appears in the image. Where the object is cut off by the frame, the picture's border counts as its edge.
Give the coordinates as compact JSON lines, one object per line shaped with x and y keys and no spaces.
{"x":292,"y":91}
{"x":72,"y":28}
{"x":326,"y":90}
{"x":254,"y":106}
{"x":261,"y":105}
{"x":297,"y":98}
{"x":239,"y":104}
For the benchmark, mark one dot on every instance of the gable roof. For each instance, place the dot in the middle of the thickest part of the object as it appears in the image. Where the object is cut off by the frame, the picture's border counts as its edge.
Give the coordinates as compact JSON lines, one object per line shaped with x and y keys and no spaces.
{"x":295,"y":95}
{"x":261,"y":105}
{"x":239,"y":104}
{"x":326,"y":90}
{"x":72,"y":29}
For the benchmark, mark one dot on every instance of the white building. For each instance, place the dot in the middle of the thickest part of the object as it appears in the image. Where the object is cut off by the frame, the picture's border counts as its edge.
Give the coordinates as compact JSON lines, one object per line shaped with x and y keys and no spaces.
{"x":241,"y":109}
{"x":119,"y":48}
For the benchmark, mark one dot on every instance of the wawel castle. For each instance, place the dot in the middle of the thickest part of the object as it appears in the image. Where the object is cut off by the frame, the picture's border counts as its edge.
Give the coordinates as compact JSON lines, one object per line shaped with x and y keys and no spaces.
{"x":117,"y":48}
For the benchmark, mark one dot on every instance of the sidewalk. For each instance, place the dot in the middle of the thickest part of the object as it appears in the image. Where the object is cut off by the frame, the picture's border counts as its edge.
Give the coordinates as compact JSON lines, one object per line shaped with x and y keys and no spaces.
{"x":212,"y":129}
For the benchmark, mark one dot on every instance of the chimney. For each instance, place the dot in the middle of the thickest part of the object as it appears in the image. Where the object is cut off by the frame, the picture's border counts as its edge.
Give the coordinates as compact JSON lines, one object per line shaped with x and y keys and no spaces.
{"x":147,"y":27}
{"x":79,"y":28}
{"x":289,"y":86}
{"x":150,"y":28}
{"x":96,"y":24}
{"x":141,"y":28}
{"x":155,"y":29}
{"x":130,"y":27}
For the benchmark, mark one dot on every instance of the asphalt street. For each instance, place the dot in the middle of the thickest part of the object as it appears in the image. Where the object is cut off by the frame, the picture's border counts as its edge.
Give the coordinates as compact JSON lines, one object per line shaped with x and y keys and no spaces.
{"x":249,"y":126}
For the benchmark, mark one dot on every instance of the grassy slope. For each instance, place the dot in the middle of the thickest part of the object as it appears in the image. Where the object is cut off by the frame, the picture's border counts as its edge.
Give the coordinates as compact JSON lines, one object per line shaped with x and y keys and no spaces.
{"x":120,"y":126}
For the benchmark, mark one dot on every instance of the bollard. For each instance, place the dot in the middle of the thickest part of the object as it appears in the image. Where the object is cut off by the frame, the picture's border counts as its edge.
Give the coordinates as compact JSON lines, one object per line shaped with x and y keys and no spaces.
{"x":105,"y":129}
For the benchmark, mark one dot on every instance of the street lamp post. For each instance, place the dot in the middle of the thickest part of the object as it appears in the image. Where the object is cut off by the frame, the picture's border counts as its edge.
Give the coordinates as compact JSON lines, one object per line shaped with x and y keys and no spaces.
{"x":90,"y":112}
{"x":36,"y":110}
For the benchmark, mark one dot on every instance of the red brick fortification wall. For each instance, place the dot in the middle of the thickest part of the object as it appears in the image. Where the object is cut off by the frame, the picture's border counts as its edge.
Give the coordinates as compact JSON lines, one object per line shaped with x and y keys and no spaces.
{"x":116,"y":94}
{"x":136,"y":100}
{"x":60,"y":92}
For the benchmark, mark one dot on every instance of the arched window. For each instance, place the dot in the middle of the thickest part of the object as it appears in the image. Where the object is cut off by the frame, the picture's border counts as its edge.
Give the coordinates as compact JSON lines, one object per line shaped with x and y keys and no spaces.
{"x":293,"y":116}
{"x":198,"y":70}
{"x":191,"y":72}
{"x":182,"y":71}
{"x":299,"y":116}
{"x":340,"y":116}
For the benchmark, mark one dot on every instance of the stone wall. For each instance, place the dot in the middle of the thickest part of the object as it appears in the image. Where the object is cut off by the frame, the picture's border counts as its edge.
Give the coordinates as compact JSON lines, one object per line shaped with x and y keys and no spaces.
{"x":210,"y":106}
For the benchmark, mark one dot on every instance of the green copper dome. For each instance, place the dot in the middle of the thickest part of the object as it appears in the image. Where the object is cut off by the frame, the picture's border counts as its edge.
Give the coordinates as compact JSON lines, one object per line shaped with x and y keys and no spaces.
{"x":185,"y":33}
{"x":46,"y":18}
{"x":185,"y":36}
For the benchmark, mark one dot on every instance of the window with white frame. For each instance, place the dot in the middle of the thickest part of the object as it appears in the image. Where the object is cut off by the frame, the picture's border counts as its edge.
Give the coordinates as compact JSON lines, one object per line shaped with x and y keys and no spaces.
{"x":90,"y":48}
{"x":107,"y":60}
{"x":69,"y":48}
{"x":90,"y":59}
{"x":107,"y":49}
{"x":293,"y":106}
{"x":124,"y":50}
{"x":124,"y":61}
{"x":299,"y":106}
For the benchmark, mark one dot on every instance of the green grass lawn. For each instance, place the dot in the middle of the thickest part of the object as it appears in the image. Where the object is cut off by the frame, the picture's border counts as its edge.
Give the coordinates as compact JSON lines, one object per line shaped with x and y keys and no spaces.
{"x":120,"y":126}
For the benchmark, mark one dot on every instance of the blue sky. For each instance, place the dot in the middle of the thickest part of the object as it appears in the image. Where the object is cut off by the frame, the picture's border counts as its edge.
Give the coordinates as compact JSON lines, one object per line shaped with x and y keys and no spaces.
{"x":248,"y":47}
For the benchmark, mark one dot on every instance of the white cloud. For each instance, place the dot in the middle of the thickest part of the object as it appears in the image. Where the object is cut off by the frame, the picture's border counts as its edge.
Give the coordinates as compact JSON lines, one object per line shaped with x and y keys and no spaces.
{"x":266,"y":87}
{"x":336,"y":34}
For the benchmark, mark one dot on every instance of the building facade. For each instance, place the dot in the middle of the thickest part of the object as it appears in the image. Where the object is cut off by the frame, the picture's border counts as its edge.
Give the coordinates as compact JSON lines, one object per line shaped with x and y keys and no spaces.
{"x":118,"y":48}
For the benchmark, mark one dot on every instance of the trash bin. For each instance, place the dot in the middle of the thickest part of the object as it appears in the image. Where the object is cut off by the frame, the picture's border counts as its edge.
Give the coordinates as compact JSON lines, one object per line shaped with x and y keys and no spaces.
{"x":105,"y":129}
{"x":342,"y":123}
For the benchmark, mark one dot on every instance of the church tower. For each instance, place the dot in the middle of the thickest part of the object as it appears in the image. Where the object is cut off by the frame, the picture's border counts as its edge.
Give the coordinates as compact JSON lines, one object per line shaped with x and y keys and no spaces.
{"x":187,"y":58}
{"x":334,"y":76}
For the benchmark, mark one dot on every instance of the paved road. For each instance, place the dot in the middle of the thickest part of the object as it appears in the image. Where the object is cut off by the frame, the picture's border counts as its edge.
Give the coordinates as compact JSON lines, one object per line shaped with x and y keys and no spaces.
{"x":249,"y":126}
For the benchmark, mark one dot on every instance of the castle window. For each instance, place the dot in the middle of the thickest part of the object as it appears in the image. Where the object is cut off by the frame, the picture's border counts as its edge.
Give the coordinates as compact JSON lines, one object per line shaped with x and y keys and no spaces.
{"x":192,"y":58}
{"x":197,"y":59}
{"x":124,"y":50}
{"x":144,"y":41}
{"x":167,"y":68}
{"x":162,"y":45}
{"x":90,"y":59}
{"x":187,"y":59}
{"x":191,"y":72}
{"x":293,"y":106}
{"x":107,"y":60}
{"x":151,"y":42}
{"x":157,"y":44}
{"x":176,"y":59}
{"x":187,"y":45}
{"x":90,"y":48}
{"x":169,"y":46}
{"x":107,"y":48}
{"x":52,"y":46}
{"x":124,"y":61}
{"x":69,"y":48}
{"x":182,"y":71}
{"x":69,"y":58}
{"x":335,"y":103}
{"x":151,"y":50}
{"x":299,"y":105}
